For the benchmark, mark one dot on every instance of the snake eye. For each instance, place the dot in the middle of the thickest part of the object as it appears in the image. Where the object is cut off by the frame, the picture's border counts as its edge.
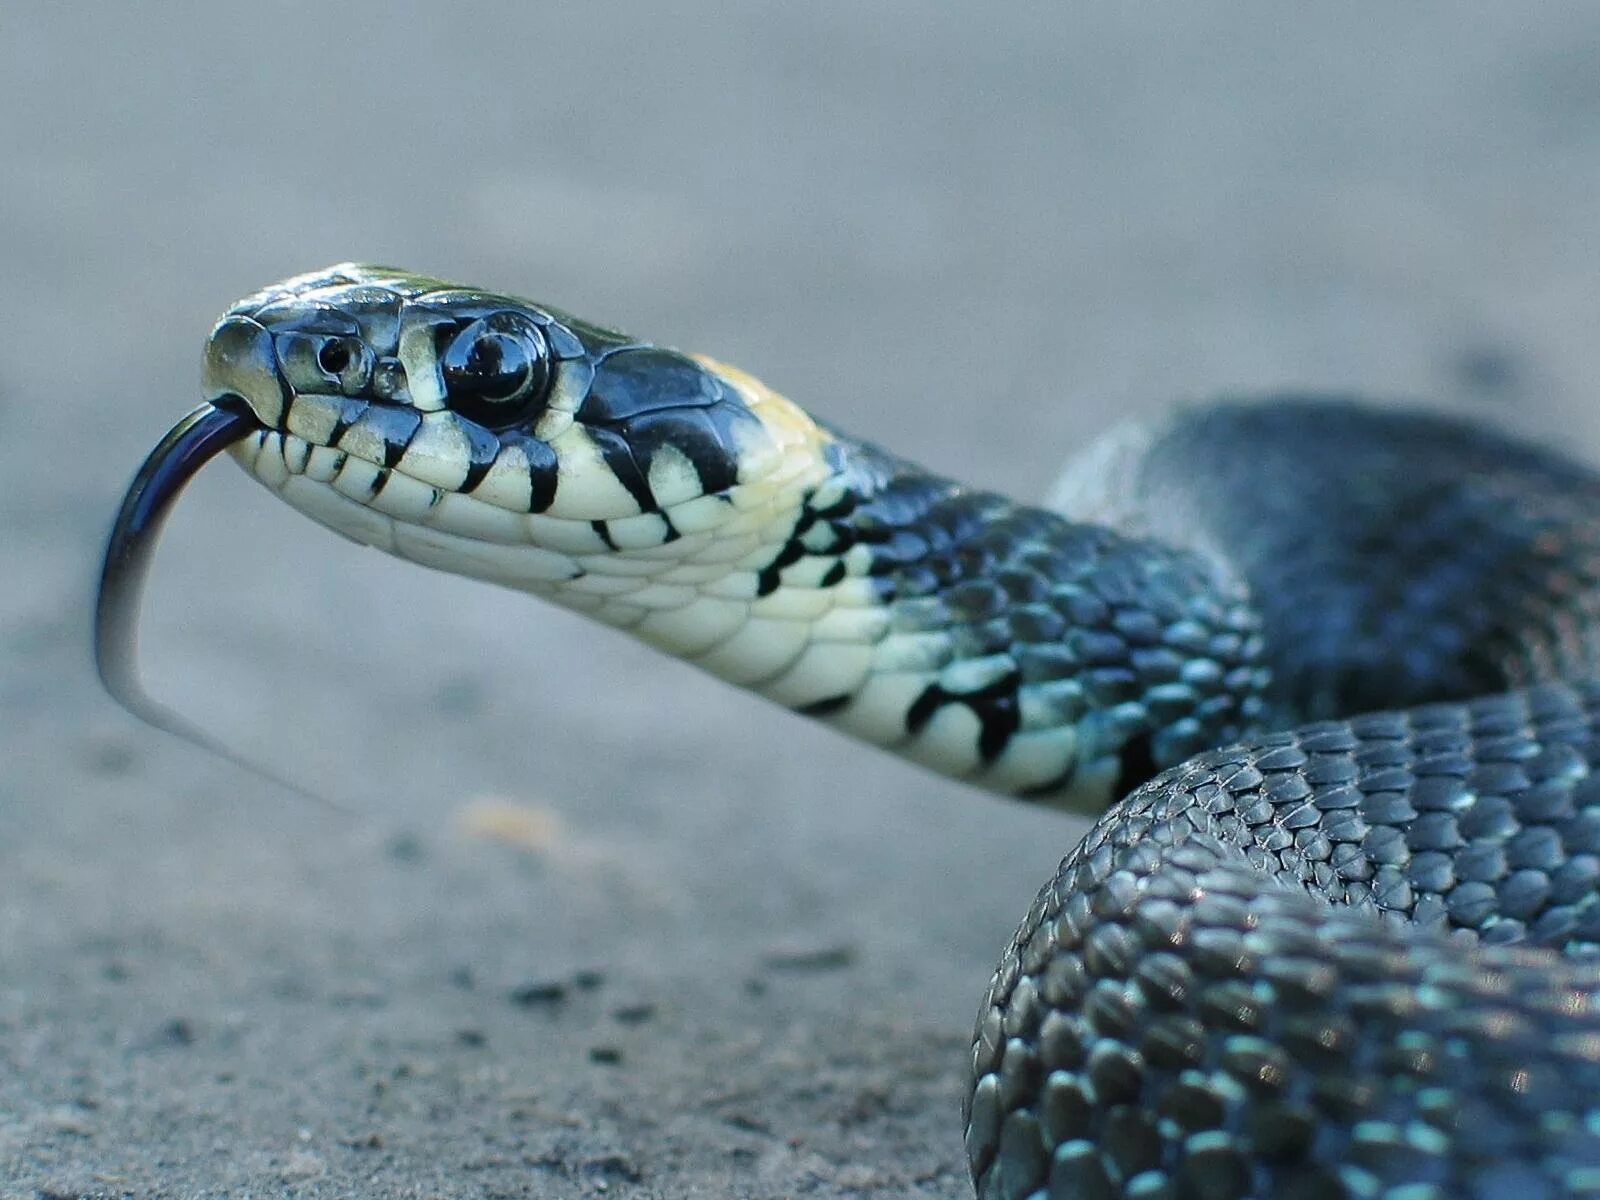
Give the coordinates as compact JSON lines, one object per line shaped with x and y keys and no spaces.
{"x":496,"y":369}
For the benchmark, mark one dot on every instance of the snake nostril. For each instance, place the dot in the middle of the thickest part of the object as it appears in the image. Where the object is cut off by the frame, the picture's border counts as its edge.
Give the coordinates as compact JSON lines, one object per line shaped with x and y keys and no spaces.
{"x":334,"y":356}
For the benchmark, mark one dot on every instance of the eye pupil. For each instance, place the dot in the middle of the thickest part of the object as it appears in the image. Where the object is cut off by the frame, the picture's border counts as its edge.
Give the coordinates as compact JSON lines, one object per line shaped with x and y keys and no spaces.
{"x":493,"y":368}
{"x":334,"y":356}
{"x":486,"y":358}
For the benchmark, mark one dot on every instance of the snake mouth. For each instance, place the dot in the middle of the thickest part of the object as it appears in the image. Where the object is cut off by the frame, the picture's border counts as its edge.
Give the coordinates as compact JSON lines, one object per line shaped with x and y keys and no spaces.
{"x":194,"y":441}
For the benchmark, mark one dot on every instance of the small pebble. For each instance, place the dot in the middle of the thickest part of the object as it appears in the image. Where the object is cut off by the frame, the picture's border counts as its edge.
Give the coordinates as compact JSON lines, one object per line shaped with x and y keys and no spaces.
{"x":109,"y":756}
{"x":405,"y":848}
{"x":180,"y":1031}
{"x":611,"y":1166}
{"x":537,"y":994}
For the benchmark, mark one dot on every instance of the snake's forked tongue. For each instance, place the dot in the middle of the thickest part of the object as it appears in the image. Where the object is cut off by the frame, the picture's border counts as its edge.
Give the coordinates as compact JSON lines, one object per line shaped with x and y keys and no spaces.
{"x":189,"y":445}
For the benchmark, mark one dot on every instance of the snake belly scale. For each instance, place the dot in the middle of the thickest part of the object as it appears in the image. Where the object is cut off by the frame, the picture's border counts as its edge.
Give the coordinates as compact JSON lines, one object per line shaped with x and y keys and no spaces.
{"x":1350,"y":957}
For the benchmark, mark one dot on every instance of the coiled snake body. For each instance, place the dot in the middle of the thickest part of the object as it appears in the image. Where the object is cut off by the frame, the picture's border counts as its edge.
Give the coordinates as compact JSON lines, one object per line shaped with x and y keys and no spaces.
{"x":1349,"y":959}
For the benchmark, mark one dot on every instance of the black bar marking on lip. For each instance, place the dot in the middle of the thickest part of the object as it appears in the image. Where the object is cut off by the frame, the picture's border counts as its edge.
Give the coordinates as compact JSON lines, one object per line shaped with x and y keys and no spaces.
{"x":348,"y":416}
{"x":396,"y":442}
{"x":476,"y":470}
{"x":619,"y":457}
{"x":543,"y":468}
{"x":485,"y":448}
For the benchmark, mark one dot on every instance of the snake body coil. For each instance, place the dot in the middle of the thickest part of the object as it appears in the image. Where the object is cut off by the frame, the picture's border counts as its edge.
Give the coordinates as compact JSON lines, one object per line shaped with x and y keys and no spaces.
{"x":1348,"y":959}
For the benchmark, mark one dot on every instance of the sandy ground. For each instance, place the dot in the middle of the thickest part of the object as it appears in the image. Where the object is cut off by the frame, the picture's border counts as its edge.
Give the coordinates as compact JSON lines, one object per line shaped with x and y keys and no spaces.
{"x":592,"y":923}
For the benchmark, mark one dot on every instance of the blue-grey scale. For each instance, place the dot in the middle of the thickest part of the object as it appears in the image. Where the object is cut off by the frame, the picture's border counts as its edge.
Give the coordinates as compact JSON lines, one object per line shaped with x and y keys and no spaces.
{"x":1350,"y":957}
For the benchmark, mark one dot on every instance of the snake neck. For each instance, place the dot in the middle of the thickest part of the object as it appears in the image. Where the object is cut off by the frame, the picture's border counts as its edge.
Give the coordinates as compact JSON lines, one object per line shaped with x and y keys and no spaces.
{"x":995,"y":643}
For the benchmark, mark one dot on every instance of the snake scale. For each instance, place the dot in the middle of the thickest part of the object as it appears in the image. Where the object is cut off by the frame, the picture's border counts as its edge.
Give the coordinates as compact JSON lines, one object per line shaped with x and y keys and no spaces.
{"x":1327,"y":672}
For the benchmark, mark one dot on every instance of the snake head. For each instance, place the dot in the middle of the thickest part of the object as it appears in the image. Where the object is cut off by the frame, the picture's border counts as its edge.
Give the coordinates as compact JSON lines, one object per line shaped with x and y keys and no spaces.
{"x":432,"y":419}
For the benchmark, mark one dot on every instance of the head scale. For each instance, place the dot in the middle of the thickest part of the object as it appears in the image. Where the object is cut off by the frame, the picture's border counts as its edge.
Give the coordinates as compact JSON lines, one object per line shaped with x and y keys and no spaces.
{"x":409,"y":412}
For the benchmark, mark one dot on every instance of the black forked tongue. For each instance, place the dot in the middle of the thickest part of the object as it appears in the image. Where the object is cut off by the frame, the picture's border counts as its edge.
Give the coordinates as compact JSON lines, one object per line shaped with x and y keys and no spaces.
{"x":188,"y":446}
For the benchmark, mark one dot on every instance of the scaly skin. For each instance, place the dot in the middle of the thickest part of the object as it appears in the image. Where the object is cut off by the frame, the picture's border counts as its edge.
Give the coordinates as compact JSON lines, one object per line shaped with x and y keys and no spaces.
{"x":1354,"y":958}
{"x":1177,"y":1016}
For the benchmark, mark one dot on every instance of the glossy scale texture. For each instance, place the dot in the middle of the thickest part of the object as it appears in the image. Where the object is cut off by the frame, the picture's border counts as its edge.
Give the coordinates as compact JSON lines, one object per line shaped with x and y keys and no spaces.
{"x":1352,"y":958}
{"x":1347,"y":960}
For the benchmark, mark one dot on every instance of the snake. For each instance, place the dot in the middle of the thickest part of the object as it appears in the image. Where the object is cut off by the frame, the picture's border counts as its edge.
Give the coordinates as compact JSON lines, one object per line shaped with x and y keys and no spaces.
{"x":1325,"y":673}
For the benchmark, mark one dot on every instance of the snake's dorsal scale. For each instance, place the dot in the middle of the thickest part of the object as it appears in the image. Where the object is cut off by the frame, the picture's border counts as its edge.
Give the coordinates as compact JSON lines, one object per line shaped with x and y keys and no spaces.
{"x":1203,"y":1001}
{"x":1353,"y":958}
{"x":1394,"y":557}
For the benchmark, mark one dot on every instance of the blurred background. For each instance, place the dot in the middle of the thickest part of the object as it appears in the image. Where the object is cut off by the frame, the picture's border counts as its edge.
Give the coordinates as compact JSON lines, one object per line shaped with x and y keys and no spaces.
{"x":593,"y":923}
